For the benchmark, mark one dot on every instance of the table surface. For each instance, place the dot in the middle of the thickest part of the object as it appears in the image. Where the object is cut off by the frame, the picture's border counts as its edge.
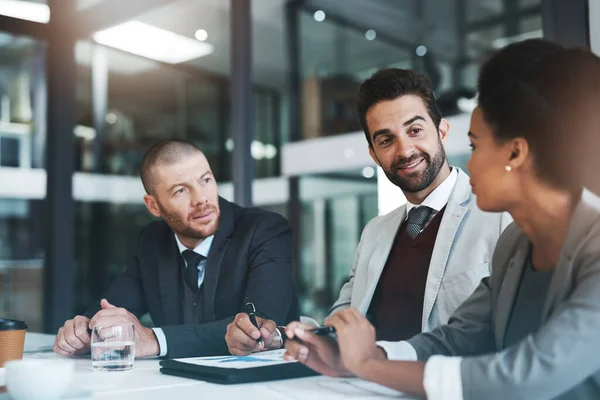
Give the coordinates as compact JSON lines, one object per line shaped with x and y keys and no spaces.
{"x":146,"y":382}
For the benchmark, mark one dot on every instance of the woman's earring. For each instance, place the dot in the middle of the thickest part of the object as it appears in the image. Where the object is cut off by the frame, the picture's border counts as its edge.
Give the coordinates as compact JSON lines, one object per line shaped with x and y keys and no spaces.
{"x":508,"y":168}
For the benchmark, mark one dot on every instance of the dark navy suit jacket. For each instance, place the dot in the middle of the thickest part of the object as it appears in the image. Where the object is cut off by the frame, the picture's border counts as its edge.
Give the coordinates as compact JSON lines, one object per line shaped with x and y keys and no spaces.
{"x":251,"y":256}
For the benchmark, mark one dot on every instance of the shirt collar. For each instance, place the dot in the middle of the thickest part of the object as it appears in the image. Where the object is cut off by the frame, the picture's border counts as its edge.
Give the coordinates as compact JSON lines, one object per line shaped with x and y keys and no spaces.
{"x":440,"y":196}
{"x":203,"y":248}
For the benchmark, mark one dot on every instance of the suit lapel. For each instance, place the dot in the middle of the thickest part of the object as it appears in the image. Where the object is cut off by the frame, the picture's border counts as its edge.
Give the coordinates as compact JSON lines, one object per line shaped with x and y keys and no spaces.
{"x":217,"y":251}
{"x":562,"y":279}
{"x":383,"y":243}
{"x":168,"y":273}
{"x":456,"y":210}
{"x":508,"y":289}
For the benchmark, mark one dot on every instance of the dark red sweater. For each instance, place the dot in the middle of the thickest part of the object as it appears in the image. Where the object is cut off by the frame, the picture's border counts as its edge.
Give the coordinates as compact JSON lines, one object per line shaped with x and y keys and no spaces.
{"x":397,"y":306}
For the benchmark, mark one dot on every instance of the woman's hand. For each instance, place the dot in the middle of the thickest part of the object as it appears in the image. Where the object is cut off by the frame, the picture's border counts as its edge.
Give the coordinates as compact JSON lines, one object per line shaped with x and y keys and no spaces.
{"x":356,"y":340}
{"x":320,"y":353}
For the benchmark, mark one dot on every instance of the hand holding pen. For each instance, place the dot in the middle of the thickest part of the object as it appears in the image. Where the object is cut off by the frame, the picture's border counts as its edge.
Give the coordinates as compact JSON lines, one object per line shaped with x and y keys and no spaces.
{"x":250,"y":309}
{"x":323,"y":330}
{"x":252,"y":331}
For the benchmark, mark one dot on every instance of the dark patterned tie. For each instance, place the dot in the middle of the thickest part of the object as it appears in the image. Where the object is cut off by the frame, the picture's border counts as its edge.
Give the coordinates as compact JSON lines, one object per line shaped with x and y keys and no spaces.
{"x":417,"y":217}
{"x":190,"y":275}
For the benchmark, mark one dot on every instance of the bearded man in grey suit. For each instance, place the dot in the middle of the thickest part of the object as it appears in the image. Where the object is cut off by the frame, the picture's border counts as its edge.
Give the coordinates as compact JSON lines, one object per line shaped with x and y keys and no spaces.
{"x":414,"y":266}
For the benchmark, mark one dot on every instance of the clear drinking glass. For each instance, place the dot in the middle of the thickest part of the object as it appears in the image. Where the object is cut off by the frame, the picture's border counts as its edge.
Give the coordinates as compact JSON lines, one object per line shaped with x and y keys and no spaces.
{"x":113,"y":347}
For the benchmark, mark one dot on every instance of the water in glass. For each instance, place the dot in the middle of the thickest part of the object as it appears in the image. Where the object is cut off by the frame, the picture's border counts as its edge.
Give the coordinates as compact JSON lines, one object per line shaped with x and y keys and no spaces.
{"x":113,"y":348}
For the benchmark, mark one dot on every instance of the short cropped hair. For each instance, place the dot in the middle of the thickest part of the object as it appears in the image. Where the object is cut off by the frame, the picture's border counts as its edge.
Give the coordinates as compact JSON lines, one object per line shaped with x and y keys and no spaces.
{"x":391,"y":83}
{"x":165,"y":152}
{"x":546,"y":94}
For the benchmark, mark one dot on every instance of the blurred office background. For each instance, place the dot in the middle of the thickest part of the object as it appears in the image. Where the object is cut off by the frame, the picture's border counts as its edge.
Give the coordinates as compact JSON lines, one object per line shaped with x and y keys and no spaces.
{"x":265,"y":87}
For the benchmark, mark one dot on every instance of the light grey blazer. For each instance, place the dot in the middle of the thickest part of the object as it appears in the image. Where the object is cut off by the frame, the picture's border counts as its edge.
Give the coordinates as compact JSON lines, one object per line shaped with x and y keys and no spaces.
{"x":560,"y":360}
{"x":461,"y":256}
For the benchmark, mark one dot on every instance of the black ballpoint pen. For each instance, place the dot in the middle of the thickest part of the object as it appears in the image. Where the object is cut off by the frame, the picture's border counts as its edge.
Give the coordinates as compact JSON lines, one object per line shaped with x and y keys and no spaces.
{"x":323,"y":330}
{"x":251,"y":311}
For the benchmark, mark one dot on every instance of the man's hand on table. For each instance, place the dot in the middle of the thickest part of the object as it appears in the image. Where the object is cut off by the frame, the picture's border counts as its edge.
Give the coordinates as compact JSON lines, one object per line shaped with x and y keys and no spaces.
{"x":146,"y":344}
{"x":73,"y":338}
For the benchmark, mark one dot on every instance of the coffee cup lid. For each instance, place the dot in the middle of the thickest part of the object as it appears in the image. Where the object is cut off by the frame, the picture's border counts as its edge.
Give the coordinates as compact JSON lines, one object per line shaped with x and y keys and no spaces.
{"x":12,"y":325}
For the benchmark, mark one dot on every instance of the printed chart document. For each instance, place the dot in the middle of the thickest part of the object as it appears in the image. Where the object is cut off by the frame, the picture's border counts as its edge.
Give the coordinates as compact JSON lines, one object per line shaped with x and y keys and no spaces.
{"x":325,"y":388}
{"x":257,"y":367}
{"x":263,"y":359}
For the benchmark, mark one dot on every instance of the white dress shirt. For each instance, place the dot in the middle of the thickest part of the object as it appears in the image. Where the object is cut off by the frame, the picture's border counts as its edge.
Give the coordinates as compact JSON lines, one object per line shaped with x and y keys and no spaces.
{"x":438,"y":198}
{"x":203,"y":249}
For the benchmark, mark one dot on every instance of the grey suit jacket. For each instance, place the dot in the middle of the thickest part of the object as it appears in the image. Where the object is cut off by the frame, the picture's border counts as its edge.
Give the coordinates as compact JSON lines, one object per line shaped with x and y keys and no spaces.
{"x":560,"y":360}
{"x":460,"y":259}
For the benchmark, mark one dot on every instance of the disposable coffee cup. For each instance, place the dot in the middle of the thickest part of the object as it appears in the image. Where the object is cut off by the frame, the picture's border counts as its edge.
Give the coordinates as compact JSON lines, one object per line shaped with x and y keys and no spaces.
{"x":12,"y":340}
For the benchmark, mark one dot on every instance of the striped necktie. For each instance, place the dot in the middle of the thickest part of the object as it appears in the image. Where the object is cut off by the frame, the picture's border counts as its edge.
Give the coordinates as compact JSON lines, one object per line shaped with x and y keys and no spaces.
{"x":417,"y":217}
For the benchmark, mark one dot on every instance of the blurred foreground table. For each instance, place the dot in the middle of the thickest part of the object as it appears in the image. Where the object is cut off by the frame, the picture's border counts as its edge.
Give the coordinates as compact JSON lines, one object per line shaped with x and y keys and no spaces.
{"x":145,"y":382}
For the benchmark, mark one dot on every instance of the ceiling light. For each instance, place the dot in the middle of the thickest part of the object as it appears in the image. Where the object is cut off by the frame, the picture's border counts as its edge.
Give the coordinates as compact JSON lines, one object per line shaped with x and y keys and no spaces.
{"x":505,"y":41}
{"x":26,"y":10}
{"x":201,"y":35}
{"x":371,"y":34}
{"x":229,"y":144}
{"x":257,"y":149}
{"x":319,"y":16}
{"x":111,"y":118}
{"x":368,"y":172}
{"x":421,"y":50}
{"x":466,"y":105}
{"x":119,"y":62}
{"x":270,"y":151}
{"x":85,"y":132}
{"x":151,"y":42}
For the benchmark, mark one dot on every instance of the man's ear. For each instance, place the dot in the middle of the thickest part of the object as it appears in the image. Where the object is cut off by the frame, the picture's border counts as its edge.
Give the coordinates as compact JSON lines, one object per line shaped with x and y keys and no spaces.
{"x":444,"y":130}
{"x":373,"y":156}
{"x":152,"y":205}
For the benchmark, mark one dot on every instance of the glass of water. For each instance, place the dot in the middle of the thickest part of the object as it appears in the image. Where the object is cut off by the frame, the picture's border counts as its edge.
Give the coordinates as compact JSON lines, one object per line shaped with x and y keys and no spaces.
{"x":113,"y":347}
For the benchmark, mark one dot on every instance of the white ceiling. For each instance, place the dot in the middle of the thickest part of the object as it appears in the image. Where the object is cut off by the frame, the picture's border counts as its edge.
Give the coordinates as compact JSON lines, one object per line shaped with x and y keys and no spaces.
{"x":269,"y":52}
{"x":326,"y":48}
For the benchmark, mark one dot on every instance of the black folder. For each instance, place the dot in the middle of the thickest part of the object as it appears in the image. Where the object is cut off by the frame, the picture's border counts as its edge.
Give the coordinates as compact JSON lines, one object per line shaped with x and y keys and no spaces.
{"x":229,"y":376}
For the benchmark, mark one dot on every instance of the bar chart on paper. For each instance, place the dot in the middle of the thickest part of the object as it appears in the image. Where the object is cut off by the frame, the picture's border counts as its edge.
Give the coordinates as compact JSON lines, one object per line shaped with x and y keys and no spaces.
{"x":267,"y":358}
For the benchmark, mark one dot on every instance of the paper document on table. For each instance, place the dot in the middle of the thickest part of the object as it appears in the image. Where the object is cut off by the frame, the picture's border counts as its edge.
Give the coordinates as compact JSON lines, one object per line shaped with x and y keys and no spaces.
{"x":263,"y":359}
{"x":333,"y":388}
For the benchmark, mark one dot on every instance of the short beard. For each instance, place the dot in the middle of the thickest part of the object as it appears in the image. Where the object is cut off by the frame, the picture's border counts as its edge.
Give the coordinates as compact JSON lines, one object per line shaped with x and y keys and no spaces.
{"x":182,"y":228}
{"x":426,"y":178}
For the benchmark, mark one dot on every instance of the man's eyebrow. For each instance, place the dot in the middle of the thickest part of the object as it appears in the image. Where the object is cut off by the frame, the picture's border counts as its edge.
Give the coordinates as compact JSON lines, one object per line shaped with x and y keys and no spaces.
{"x":379,"y":133}
{"x":413,"y":119}
{"x":173,"y":186}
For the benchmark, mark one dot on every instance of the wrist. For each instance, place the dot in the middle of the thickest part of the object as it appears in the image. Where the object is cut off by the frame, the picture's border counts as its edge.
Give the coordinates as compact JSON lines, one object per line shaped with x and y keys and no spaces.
{"x":380,"y":353}
{"x":282,"y":337}
{"x":344,"y":372}
{"x":366,"y":368}
{"x":153,"y":347}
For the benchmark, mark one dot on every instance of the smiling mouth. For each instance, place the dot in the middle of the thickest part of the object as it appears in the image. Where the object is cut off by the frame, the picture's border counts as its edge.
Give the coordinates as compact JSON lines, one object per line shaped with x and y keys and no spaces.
{"x":411,"y":165}
{"x":202,"y":216}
